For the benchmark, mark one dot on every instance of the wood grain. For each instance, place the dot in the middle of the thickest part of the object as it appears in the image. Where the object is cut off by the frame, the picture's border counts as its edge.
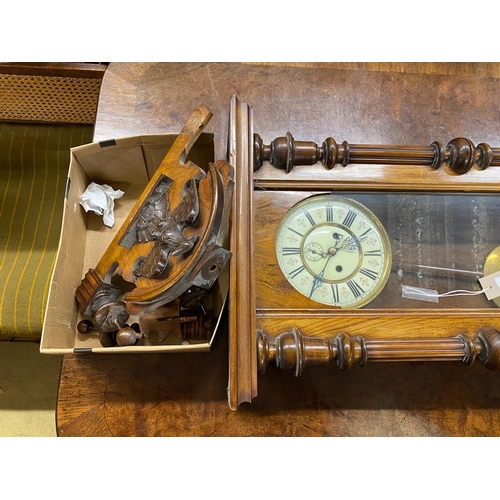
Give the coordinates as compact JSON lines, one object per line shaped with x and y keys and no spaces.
{"x":243,"y":377}
{"x":186,"y":395}
{"x":484,"y":69}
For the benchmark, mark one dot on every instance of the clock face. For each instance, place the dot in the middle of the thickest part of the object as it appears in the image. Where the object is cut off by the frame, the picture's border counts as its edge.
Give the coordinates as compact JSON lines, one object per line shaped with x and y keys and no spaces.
{"x":334,"y":251}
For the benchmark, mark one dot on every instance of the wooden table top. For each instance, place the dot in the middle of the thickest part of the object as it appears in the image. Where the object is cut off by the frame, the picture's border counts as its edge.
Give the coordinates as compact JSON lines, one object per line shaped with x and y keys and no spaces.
{"x":185,"y":394}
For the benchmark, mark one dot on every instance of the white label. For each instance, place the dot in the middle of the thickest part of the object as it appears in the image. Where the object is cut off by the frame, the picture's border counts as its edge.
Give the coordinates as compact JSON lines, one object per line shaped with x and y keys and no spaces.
{"x":491,"y":285}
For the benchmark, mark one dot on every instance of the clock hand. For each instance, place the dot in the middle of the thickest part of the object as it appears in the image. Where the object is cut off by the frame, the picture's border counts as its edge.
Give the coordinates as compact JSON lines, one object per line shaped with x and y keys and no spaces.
{"x":315,"y":252}
{"x":318,"y":280}
{"x":313,"y":249}
{"x":352,"y":243}
{"x":349,"y":243}
{"x":333,"y":250}
{"x":338,"y":237}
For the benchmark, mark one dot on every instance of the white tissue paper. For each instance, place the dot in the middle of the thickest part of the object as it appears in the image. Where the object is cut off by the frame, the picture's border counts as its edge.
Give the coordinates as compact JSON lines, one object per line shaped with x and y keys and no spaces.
{"x":101,"y":200}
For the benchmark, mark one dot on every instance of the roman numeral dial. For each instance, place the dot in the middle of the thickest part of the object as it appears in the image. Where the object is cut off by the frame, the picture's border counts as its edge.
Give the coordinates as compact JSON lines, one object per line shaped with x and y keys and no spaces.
{"x":334,"y":251}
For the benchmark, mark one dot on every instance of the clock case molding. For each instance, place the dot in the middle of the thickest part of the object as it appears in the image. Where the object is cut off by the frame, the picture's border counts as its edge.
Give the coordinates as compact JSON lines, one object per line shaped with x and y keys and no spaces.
{"x":294,"y":336}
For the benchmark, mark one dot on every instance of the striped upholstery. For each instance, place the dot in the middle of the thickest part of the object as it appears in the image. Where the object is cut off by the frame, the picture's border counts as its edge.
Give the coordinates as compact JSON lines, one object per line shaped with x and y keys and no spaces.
{"x":34,"y":161}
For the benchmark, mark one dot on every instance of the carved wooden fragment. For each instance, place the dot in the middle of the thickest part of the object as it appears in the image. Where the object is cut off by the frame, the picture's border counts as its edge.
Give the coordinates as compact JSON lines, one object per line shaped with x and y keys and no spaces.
{"x":173,"y":239}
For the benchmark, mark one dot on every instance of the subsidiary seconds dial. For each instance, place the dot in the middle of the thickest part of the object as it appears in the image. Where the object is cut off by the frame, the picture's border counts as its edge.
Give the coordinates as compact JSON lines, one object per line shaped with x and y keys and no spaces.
{"x":334,"y":250}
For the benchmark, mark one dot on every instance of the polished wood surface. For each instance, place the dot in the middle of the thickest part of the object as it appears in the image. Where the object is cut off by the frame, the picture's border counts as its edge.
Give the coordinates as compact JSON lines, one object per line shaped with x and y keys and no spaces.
{"x":179,"y":395}
{"x":185,"y":395}
{"x":242,"y":383}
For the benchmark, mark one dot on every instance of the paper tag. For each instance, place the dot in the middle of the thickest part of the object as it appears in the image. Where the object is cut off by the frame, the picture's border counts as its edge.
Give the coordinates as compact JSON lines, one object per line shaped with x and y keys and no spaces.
{"x":491,"y":285}
{"x":413,"y":292}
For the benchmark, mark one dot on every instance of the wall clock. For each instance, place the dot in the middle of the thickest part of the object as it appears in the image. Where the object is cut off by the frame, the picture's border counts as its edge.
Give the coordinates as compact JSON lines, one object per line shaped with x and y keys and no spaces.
{"x":348,"y":268}
{"x":334,"y":250}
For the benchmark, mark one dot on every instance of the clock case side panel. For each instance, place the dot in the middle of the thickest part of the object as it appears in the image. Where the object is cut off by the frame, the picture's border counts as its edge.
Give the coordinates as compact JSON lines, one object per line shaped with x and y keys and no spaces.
{"x":242,"y":325}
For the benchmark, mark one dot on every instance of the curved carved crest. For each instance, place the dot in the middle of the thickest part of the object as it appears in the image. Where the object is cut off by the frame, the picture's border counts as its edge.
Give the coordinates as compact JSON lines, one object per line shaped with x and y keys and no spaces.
{"x":156,"y":223}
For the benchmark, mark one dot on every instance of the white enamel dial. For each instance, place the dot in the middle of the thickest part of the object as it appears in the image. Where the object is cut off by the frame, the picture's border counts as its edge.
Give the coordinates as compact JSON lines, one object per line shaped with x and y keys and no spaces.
{"x":334,"y":251}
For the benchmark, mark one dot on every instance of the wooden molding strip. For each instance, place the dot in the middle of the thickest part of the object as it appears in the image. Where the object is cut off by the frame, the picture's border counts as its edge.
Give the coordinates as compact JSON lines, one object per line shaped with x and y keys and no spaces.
{"x":67,"y":70}
{"x":242,"y":330}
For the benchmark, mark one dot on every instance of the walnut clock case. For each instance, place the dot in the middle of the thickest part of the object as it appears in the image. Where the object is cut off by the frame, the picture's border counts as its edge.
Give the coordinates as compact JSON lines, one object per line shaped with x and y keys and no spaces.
{"x":377,"y":266}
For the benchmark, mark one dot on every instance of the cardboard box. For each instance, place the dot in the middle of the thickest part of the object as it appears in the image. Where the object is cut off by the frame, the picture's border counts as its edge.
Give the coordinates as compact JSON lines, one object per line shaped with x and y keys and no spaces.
{"x":125,"y":164}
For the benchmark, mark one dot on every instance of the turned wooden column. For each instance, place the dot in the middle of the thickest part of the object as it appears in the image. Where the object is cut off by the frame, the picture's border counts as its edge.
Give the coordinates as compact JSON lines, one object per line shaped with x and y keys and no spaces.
{"x":293,"y":351}
{"x":459,"y":154}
